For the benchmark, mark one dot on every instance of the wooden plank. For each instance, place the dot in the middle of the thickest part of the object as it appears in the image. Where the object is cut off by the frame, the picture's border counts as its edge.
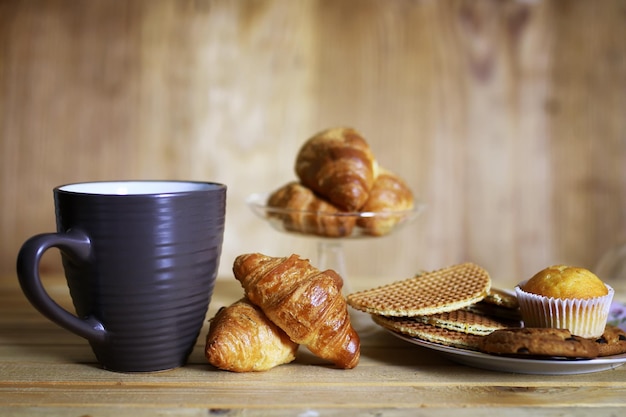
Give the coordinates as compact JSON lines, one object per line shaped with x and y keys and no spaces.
{"x":505,"y":117}
{"x":429,"y":371}
{"x":319,"y":396}
{"x":300,"y":411}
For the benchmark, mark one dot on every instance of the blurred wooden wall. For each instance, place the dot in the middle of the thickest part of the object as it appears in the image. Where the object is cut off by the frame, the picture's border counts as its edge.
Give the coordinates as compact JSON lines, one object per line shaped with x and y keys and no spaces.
{"x":507,"y":118}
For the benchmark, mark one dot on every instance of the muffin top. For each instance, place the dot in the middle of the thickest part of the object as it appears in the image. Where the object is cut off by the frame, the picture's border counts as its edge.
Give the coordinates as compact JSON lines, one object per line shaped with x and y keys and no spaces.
{"x":561,"y":281}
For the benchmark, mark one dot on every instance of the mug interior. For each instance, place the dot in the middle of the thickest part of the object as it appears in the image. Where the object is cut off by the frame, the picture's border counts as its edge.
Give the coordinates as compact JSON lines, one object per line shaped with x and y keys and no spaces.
{"x":138,"y":187}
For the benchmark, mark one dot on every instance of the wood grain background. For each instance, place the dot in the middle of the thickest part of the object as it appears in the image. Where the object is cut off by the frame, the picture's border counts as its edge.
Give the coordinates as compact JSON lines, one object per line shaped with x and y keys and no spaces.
{"x":507,"y":118}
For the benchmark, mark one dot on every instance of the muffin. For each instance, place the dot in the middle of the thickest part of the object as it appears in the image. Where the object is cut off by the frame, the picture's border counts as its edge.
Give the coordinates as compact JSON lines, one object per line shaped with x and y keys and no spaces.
{"x":565,"y":297}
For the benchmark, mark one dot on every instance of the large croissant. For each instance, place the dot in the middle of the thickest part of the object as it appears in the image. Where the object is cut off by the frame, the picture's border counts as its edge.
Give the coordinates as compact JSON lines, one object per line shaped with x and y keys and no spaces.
{"x":241,"y":339}
{"x":339,"y":165}
{"x":306,"y":303}
{"x":305,"y":212}
{"x":389,"y":193}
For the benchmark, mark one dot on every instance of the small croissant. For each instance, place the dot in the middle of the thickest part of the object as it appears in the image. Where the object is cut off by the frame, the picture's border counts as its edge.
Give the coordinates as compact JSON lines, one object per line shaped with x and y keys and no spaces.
{"x":389,"y":193}
{"x":339,"y":165}
{"x":305,"y":212}
{"x":242,"y":339}
{"x":304,"y":302}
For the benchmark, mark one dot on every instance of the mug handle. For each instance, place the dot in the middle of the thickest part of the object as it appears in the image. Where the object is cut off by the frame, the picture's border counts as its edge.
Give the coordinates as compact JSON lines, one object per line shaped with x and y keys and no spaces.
{"x":75,"y":244}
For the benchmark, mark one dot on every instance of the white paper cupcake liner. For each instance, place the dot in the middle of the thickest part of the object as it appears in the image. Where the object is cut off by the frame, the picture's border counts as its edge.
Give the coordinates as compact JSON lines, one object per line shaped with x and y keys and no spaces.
{"x":583,"y":317}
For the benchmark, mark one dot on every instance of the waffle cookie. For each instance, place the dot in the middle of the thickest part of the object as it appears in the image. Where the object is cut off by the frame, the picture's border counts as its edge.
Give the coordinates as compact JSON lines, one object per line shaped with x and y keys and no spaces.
{"x":411,"y":327}
{"x":467,"y":322}
{"x":491,"y":310}
{"x":501,"y":298}
{"x":433,"y":292}
{"x":498,"y":303}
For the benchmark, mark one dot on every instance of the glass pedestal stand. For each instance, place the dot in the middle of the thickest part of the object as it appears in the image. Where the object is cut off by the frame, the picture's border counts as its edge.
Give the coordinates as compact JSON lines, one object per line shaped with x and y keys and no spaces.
{"x":330,"y":254}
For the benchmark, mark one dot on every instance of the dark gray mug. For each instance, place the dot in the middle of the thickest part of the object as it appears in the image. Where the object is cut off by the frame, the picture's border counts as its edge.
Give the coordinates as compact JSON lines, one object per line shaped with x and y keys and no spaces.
{"x":141,"y":259}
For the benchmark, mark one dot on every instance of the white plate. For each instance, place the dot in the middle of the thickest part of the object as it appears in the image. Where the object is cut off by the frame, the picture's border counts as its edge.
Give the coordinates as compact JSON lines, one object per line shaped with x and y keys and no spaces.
{"x":617,"y":317}
{"x":520,"y":365}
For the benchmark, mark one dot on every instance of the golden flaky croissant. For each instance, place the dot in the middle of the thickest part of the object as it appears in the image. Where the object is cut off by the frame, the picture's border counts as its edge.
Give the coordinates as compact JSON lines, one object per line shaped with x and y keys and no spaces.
{"x":339,"y":165}
{"x":305,"y":212}
{"x":389,"y":193}
{"x":303,"y":301}
{"x":241,"y":339}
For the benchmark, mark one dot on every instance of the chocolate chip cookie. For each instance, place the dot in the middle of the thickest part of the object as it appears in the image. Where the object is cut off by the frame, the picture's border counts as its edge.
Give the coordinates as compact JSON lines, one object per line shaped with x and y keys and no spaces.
{"x":612,"y":341}
{"x":540,"y":342}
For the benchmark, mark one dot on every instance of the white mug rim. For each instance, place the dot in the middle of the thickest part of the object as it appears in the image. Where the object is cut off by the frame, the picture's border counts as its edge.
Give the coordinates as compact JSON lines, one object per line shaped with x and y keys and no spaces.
{"x":138,"y":187}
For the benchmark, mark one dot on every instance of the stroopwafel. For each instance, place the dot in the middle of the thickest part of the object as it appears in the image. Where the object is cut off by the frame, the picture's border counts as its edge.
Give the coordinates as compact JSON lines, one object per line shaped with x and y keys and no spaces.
{"x":502,"y":299}
{"x":498,"y":303}
{"x":467,"y":322}
{"x":439,"y":291}
{"x":495,"y":311}
{"x":410,"y":327}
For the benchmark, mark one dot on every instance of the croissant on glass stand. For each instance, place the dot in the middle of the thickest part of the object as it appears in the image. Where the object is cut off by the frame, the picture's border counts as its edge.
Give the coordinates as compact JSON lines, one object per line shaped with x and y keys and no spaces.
{"x":389,"y":193}
{"x":307,"y":213}
{"x":304,"y":302}
{"x":339,"y":165}
{"x":242,"y":339}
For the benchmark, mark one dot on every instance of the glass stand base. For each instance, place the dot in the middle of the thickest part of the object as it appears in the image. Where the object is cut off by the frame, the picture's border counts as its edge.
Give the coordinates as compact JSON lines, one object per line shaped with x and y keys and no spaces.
{"x":330,"y":256}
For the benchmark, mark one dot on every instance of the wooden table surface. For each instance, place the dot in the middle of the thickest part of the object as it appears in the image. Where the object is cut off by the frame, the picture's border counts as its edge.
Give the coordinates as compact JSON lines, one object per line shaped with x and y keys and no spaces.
{"x":45,"y":370}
